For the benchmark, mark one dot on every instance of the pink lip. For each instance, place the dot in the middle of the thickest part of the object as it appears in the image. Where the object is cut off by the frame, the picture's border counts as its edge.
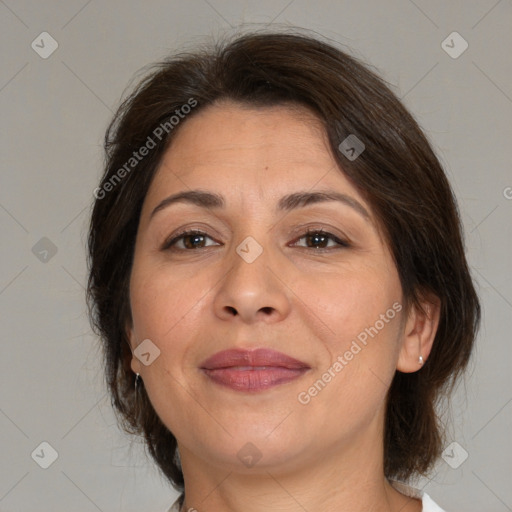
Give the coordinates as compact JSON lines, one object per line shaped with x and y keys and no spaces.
{"x":254,"y":370}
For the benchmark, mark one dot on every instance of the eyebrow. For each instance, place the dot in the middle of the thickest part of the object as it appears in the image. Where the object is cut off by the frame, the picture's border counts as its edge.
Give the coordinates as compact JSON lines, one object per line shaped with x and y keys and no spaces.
{"x":289,"y":202}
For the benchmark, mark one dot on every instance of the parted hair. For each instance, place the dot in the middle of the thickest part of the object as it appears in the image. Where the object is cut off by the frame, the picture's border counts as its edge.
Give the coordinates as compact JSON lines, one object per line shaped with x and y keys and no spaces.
{"x":398,"y":174}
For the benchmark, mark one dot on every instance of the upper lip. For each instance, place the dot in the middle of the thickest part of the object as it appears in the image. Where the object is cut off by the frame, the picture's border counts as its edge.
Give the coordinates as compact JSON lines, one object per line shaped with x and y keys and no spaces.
{"x":256,"y":358}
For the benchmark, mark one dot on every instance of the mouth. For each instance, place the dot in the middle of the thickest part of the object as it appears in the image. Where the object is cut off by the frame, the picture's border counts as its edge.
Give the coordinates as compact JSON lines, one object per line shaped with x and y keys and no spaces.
{"x":255,"y":370}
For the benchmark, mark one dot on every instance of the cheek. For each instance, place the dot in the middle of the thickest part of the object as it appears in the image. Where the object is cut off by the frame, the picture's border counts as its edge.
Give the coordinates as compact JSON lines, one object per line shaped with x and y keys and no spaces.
{"x":348,"y":303}
{"x":165,"y":309}
{"x":162,"y":301}
{"x":361,"y":312}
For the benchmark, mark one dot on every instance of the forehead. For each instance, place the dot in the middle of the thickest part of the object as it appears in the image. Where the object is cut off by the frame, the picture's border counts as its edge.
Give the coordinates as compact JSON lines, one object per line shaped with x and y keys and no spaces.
{"x":234,"y":146}
{"x":221,"y":132}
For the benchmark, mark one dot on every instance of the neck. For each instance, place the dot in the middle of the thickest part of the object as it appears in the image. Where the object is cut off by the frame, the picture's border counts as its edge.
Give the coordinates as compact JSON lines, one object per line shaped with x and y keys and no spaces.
{"x":343,"y":479}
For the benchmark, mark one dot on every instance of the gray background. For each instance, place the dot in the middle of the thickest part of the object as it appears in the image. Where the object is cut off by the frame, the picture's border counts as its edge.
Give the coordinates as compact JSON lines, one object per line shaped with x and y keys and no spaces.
{"x":54,"y":114}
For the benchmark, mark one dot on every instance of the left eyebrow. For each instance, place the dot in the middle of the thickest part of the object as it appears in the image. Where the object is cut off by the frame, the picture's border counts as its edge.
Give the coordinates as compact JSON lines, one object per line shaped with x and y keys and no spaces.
{"x":289,"y":202}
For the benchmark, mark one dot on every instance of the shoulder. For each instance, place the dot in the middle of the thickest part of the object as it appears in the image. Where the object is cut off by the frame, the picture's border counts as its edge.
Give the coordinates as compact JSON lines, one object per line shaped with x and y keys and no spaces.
{"x":429,"y":505}
{"x":174,"y":507}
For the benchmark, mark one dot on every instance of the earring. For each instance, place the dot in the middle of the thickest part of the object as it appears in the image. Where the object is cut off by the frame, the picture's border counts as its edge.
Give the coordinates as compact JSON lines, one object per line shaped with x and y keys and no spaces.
{"x":420,"y":361}
{"x":138,"y":406}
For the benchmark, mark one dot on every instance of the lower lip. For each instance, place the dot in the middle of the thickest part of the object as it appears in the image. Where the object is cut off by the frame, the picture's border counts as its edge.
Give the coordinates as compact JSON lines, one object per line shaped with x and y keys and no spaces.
{"x":256,"y":379}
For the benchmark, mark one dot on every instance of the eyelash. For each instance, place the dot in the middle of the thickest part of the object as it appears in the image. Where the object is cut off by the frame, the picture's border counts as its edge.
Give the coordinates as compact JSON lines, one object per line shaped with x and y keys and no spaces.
{"x":343,"y":244}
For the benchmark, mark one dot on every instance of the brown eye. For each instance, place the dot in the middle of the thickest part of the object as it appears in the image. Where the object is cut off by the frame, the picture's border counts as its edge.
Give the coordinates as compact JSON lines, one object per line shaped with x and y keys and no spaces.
{"x":318,"y":239}
{"x":189,"y":240}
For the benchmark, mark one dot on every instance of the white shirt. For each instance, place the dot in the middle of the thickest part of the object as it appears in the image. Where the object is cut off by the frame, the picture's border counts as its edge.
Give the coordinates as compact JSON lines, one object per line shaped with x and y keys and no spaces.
{"x":428,"y":504}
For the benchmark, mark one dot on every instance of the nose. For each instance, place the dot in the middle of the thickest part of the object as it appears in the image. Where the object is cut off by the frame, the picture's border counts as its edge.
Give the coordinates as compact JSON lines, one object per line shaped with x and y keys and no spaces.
{"x":253,"y":289}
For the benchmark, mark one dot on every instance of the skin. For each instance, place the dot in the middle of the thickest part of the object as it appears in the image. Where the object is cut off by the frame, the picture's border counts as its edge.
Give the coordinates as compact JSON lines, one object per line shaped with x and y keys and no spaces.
{"x":310,"y":304}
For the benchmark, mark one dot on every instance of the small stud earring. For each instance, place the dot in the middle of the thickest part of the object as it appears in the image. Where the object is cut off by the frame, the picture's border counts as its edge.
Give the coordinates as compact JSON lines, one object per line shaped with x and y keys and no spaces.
{"x":420,"y":360}
{"x":137,"y":381}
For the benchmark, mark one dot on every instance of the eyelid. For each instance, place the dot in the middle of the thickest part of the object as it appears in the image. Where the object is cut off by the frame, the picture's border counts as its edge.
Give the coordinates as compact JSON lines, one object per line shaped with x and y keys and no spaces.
{"x":175,"y":237}
{"x":342,"y":241}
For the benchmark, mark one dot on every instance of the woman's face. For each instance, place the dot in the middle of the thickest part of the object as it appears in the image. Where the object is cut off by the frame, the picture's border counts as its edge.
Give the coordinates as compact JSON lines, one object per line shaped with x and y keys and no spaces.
{"x":254,"y":279}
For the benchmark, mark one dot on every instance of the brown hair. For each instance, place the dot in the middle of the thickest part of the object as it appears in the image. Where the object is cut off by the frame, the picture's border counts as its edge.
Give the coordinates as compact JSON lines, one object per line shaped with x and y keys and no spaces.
{"x":398,"y":174}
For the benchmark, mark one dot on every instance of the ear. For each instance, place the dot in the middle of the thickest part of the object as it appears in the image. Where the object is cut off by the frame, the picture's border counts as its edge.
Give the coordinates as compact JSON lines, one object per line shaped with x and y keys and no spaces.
{"x":135,"y":364}
{"x":419,"y":334}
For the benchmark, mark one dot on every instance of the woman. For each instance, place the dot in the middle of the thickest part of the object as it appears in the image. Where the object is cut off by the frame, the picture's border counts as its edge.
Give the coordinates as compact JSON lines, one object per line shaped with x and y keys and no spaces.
{"x":278,"y":277}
